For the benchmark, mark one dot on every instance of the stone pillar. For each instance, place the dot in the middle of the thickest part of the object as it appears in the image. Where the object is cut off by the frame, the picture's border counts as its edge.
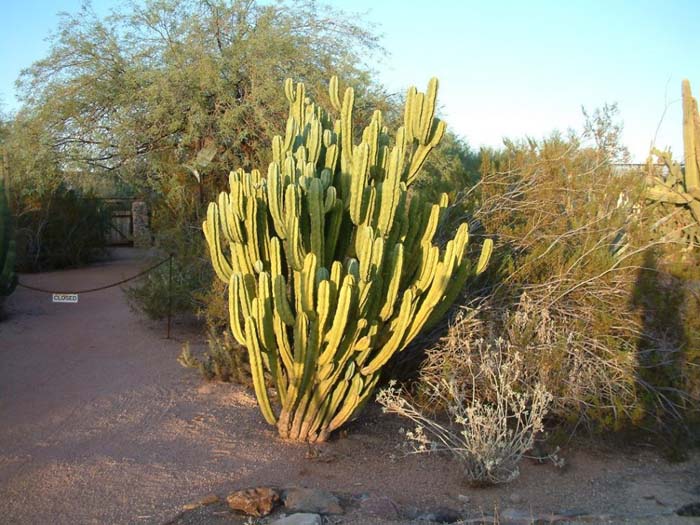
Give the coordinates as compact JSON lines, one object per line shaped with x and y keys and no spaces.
{"x":142,"y":231}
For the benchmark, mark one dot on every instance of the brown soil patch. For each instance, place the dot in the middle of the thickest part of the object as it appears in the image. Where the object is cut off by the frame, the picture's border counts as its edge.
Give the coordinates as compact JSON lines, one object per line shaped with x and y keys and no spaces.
{"x":100,"y":424}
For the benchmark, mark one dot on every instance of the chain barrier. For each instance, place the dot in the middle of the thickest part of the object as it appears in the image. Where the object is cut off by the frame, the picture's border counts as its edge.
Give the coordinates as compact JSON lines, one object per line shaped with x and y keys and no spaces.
{"x":169,"y":260}
{"x":99,"y":288}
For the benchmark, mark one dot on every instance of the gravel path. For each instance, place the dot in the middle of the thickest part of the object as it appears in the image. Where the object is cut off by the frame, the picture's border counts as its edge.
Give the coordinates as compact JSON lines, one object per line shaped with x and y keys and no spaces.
{"x":99,"y":424}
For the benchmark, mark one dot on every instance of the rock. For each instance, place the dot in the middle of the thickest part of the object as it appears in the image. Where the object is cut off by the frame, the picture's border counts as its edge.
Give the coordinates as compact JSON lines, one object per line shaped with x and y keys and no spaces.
{"x":410,"y":512}
{"x":515,"y":515}
{"x":313,"y":501}
{"x":463,"y":498}
{"x":379,"y":507}
{"x":440,"y":515}
{"x":256,"y":502}
{"x":515,"y":498}
{"x":209,"y":499}
{"x":301,"y":518}
{"x":572,"y":513}
{"x":691,"y":509}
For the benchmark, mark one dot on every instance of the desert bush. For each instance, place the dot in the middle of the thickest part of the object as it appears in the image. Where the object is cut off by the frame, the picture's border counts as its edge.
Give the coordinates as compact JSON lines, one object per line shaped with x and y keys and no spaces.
{"x":8,"y":277}
{"x":495,"y":411}
{"x":224,"y":360}
{"x":578,"y":285}
{"x":176,"y":223}
{"x":60,"y":228}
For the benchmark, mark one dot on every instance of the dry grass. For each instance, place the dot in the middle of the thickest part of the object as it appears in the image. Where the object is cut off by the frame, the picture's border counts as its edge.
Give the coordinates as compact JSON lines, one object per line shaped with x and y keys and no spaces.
{"x":495,"y":412}
{"x":576,"y":287}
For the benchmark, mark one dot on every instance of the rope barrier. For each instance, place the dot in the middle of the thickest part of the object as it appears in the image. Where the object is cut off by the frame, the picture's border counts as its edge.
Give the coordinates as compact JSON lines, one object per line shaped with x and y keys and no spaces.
{"x":118,"y":283}
{"x":99,"y":288}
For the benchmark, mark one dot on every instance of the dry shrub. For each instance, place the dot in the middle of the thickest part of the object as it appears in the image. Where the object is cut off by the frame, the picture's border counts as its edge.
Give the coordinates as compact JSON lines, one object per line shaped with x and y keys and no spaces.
{"x":224,"y":359}
{"x":582,"y":376}
{"x":495,"y":411}
{"x":578,"y":287}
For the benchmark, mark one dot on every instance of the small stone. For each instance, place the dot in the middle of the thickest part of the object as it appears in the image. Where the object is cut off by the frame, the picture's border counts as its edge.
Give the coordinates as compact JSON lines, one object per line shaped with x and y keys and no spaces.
{"x":410,"y":512}
{"x":301,"y":518}
{"x":312,"y":501}
{"x":256,"y":502}
{"x":515,"y":498}
{"x":380,"y":507}
{"x":572,"y":513}
{"x":691,"y":509}
{"x":515,"y":515}
{"x":440,"y":515}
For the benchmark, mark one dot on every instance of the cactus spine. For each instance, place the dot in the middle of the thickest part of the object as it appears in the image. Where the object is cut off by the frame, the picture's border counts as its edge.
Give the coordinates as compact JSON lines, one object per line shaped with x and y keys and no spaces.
{"x":330,"y":264}
{"x":8,"y":278}
{"x":681,"y":188}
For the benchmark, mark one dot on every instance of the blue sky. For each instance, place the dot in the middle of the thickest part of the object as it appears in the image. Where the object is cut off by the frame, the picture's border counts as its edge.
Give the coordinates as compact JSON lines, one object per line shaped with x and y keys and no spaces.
{"x":507,"y":69}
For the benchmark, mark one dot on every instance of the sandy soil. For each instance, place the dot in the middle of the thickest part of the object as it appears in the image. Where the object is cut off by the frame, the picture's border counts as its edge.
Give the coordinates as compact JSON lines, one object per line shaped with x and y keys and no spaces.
{"x":100,"y":424}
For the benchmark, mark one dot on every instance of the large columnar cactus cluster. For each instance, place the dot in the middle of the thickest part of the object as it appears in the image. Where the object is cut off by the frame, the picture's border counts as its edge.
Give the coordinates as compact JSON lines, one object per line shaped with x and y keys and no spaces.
{"x":330,"y":264}
{"x":679,"y":193}
{"x":8,"y":278}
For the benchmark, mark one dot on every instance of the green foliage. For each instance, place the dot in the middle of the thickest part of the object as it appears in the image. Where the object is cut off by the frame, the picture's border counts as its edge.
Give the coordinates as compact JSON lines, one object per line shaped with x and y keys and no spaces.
{"x":331,"y":267}
{"x":175,"y":219}
{"x":667,"y":301}
{"x":223,"y":361}
{"x":8,"y":278}
{"x":61,"y":228}
{"x":160,"y":91}
{"x":451,"y":168}
{"x":143,"y":91}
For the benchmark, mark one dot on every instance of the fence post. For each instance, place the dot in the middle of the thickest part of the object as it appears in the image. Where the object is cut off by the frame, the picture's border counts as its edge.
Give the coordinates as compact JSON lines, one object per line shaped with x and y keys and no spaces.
{"x":170,"y":292}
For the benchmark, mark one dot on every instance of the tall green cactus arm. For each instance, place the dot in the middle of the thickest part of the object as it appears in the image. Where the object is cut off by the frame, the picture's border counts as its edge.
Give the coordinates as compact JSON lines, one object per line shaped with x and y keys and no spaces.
{"x":691,"y":138}
{"x":679,"y":193}
{"x":212,"y":233}
{"x":331,"y":265}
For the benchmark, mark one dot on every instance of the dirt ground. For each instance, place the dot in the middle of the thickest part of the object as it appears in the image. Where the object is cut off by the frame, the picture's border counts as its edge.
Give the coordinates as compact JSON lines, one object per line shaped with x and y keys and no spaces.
{"x":99,"y":424}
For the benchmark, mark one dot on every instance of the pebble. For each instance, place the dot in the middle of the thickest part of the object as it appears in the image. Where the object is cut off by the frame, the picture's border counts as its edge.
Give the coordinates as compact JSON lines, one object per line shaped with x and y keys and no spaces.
{"x":515,"y":498}
{"x":440,"y":515}
{"x":515,"y":515}
{"x":312,"y":501}
{"x":256,"y":502}
{"x":380,"y":507}
{"x":301,"y":518}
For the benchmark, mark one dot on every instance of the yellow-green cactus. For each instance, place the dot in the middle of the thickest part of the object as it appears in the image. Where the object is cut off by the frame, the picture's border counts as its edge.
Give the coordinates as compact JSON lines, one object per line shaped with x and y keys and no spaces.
{"x":330,"y":265}
{"x":678,"y":194}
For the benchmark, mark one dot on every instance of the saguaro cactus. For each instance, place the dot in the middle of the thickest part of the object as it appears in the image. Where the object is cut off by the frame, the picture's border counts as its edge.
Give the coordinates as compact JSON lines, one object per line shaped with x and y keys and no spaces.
{"x":330,"y":264}
{"x":8,"y":278}
{"x":679,"y":193}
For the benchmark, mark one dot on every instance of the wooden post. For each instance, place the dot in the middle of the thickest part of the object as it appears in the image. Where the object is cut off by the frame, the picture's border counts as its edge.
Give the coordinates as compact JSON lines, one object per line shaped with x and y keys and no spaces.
{"x":170,"y":293}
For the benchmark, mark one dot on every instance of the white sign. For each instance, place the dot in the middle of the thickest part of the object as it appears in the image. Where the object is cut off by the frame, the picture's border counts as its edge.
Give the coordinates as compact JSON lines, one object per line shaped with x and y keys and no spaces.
{"x":65,"y":298}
